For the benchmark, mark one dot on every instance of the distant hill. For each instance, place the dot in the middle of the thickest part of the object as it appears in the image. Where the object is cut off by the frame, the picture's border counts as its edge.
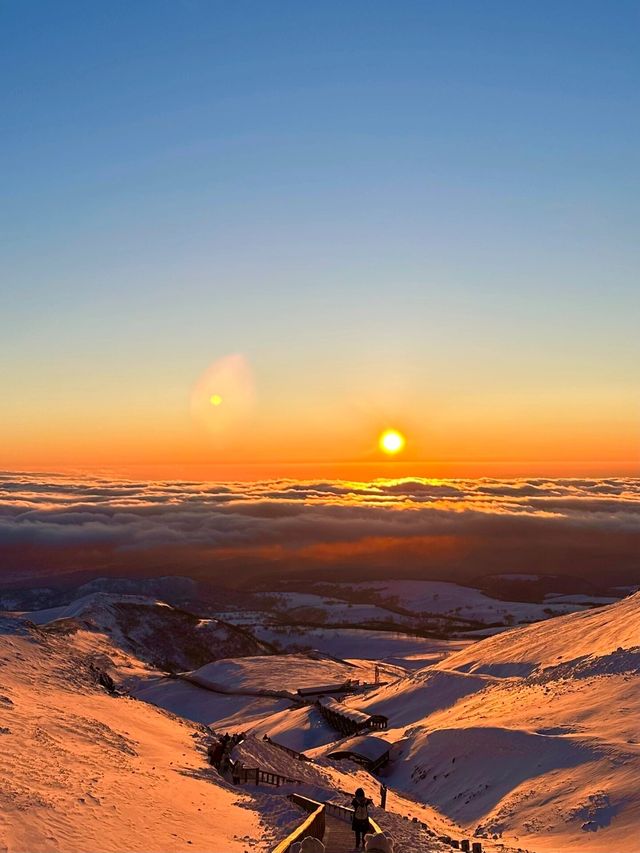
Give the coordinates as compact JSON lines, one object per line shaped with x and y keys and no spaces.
{"x":84,"y":770}
{"x":163,"y":636}
{"x":532,"y":735}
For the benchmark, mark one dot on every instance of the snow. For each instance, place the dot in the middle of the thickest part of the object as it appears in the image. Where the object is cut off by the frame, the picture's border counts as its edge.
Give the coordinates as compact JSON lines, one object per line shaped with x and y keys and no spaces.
{"x":96,"y":606}
{"x":439,"y":597}
{"x":589,"y":600}
{"x":366,"y":746}
{"x":349,"y":713}
{"x":280,"y":674}
{"x":393,"y":647}
{"x":168,"y":638}
{"x":301,"y":729}
{"x":546,"y":755}
{"x":512,"y":737}
{"x":528,"y":738}
{"x":192,"y":702}
{"x":84,"y":770}
{"x":592,"y":632}
{"x":318,"y":608}
{"x":336,"y":781}
{"x":418,"y":696}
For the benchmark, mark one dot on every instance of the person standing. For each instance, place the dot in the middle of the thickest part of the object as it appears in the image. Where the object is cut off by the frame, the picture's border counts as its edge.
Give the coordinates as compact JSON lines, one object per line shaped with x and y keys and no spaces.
{"x":360,"y":821}
{"x":215,"y":752}
{"x":383,"y":795}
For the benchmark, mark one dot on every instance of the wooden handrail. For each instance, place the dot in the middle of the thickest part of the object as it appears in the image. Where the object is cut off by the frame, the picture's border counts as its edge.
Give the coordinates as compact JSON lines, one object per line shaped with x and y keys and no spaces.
{"x":313,"y":825}
{"x":346,"y":813}
{"x":374,"y":826}
{"x":305,"y":803}
{"x":316,"y":821}
{"x":256,"y":775}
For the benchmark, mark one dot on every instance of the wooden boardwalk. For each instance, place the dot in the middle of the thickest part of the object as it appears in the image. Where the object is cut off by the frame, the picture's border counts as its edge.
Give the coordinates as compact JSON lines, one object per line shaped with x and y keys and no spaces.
{"x":338,"y":836}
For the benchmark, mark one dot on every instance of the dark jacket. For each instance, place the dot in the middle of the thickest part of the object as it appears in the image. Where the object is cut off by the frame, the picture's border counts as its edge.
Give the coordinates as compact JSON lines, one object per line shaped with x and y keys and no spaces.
{"x":361,"y":824}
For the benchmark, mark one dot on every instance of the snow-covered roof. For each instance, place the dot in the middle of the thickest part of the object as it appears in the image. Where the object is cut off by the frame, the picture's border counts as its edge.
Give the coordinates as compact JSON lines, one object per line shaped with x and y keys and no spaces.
{"x":367,"y":747}
{"x":344,"y":710}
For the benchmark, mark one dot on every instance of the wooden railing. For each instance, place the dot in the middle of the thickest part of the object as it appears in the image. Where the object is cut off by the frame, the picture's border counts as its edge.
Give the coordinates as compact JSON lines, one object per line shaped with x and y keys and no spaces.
{"x":256,"y":775}
{"x":378,"y":722}
{"x":312,"y":826}
{"x":346,"y":813}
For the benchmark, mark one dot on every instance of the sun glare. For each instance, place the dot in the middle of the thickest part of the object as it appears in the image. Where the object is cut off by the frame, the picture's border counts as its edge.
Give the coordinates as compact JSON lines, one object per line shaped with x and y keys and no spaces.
{"x":215,"y":399}
{"x":391,"y":441}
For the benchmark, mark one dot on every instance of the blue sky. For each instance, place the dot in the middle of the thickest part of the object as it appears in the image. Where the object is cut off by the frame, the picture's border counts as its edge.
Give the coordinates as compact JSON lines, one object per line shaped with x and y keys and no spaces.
{"x":441,"y":196}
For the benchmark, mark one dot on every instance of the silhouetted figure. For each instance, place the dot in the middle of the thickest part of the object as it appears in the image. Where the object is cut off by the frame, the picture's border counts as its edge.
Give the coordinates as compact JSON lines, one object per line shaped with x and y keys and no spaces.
{"x":215,"y":753}
{"x":360,"y":822}
{"x":225,"y":759}
{"x":383,"y":796}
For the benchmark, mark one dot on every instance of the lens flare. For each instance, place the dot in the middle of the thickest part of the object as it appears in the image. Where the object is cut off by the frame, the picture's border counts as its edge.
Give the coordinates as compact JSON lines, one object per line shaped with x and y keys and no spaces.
{"x":222,"y":398}
{"x":391,"y":441}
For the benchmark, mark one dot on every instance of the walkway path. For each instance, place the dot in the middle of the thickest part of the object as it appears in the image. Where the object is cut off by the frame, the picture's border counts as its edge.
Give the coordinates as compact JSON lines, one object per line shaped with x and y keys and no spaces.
{"x":338,"y":836}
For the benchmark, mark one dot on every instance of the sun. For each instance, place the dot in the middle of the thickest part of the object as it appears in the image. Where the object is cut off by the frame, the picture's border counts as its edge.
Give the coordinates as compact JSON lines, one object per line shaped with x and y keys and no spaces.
{"x":215,"y":399}
{"x":391,"y":441}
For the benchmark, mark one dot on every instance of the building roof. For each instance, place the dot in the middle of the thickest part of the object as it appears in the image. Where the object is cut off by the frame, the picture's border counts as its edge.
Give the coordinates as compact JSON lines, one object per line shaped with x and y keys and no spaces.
{"x":367,"y":748}
{"x":345,"y":711}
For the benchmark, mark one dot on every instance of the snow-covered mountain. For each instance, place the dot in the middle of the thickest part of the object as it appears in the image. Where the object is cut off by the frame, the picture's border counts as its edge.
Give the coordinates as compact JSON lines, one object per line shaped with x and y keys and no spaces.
{"x":528,"y":739}
{"x":532,"y":735}
{"x":85,"y":770}
{"x":166,"y":637}
{"x":427,"y":598}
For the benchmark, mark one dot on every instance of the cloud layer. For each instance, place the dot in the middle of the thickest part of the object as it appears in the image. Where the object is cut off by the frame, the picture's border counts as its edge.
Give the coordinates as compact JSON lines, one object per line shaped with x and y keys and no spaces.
{"x":416,"y":527}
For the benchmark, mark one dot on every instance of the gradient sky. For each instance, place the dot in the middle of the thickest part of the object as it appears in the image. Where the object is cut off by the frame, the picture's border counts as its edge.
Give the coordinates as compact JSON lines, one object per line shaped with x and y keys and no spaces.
{"x":353,"y":215}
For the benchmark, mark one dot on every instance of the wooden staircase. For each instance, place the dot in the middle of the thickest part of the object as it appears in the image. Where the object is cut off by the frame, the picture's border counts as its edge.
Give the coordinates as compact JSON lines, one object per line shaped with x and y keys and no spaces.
{"x":338,"y":836}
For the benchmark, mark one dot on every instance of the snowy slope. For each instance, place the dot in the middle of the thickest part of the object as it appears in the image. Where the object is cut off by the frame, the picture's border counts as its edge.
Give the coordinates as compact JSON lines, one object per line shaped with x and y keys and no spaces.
{"x":166,"y":637}
{"x":84,"y":770}
{"x":282,"y":674}
{"x":336,"y":781}
{"x":532,"y":736}
{"x":297,"y":728}
{"x":592,"y":633}
{"x":192,"y":702}
{"x":404,"y":649}
{"x":437,"y":597}
{"x":308,"y":607}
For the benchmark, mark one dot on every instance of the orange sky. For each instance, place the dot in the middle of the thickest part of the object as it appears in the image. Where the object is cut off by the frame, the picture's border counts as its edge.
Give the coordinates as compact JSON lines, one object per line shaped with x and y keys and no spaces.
{"x":255,"y":429}
{"x":337,"y":223}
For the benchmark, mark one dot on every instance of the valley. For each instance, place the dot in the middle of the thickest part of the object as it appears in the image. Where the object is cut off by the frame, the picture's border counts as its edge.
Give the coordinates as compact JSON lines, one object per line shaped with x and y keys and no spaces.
{"x":509,"y":741}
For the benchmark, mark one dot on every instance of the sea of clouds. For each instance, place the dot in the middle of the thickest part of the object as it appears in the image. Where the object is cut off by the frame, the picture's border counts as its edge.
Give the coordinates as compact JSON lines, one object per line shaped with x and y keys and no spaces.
{"x":419,"y":527}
